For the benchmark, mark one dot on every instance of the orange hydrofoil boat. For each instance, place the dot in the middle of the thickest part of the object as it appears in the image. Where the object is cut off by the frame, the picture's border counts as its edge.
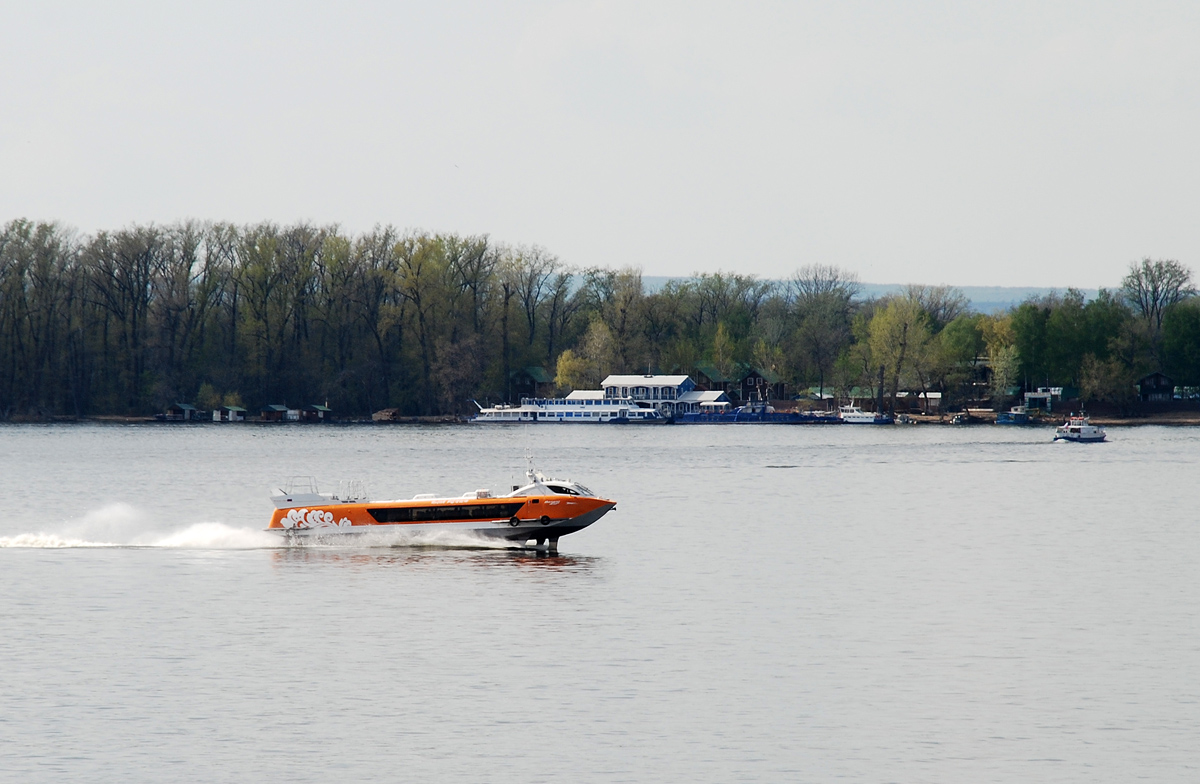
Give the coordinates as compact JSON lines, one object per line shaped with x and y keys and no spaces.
{"x":541,"y":511}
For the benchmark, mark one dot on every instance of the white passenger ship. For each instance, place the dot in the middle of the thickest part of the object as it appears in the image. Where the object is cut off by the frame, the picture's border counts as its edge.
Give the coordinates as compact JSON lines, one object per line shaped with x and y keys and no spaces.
{"x":572,"y":410}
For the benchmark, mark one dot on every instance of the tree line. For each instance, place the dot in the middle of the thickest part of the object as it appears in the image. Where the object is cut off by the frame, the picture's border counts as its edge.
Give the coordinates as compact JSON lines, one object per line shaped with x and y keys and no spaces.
{"x":132,"y":320}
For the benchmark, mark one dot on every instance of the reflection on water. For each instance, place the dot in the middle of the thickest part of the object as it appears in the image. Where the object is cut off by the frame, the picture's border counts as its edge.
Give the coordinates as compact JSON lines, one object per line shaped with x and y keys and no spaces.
{"x":423,"y":557}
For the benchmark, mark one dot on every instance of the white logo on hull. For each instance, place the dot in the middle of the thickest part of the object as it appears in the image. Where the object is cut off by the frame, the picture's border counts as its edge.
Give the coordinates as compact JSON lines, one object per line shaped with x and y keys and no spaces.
{"x":314,"y":518}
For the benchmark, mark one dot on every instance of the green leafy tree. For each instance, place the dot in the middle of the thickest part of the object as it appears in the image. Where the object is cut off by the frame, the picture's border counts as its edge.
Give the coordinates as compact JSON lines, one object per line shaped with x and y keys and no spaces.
{"x":1107,"y":381}
{"x":962,"y":347}
{"x":1029,"y":336}
{"x":898,"y":333}
{"x":723,"y":349}
{"x":1181,"y":342}
{"x":208,"y":398}
{"x":1004,"y":354}
{"x":575,"y":372}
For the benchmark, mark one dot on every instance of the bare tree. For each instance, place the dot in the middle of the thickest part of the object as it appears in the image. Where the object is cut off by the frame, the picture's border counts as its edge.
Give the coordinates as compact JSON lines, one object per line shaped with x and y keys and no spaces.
{"x":472,"y":261}
{"x":123,"y":267}
{"x":815,"y":281}
{"x":942,"y":304}
{"x":420,"y":277}
{"x":720,"y":294}
{"x":823,"y":334}
{"x":619,"y":298}
{"x":820,"y":297}
{"x":1152,"y":286}
{"x":534,"y":268}
{"x":562,"y":305}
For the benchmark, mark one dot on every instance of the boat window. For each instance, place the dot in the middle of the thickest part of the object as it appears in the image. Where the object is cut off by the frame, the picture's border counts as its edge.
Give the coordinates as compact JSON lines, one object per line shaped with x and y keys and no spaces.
{"x":421,"y":514}
{"x":562,"y":490}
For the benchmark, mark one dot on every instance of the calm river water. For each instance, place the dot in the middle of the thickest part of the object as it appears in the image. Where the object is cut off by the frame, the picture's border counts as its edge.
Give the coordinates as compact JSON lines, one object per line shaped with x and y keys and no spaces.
{"x":765,"y":604}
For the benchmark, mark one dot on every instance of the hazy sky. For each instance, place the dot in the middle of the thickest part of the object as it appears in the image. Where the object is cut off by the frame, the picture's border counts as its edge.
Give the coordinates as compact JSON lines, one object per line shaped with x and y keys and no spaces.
{"x":964,"y":143}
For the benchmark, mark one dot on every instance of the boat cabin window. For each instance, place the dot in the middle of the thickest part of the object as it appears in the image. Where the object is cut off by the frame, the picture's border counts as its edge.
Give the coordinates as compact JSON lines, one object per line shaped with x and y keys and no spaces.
{"x":562,"y":490}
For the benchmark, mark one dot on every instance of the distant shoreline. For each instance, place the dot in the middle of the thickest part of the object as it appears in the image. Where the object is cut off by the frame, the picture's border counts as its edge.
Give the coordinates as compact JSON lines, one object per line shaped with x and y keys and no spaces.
{"x":983,"y":299}
{"x":1164,"y":419}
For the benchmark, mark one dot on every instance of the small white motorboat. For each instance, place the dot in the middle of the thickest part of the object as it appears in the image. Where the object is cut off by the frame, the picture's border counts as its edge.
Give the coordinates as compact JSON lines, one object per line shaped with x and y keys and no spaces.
{"x":1078,"y":428}
{"x":853,"y":415}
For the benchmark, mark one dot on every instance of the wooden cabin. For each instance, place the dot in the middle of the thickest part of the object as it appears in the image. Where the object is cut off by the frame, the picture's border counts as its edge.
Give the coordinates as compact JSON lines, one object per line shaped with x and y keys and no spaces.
{"x":1156,"y":388}
{"x":229,"y":414}
{"x":273,"y":413}
{"x":180,"y":412}
{"x":315,"y":413}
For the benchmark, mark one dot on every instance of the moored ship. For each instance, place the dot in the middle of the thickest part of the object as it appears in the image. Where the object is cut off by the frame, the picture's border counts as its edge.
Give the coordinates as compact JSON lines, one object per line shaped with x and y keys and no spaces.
{"x":759,"y":413}
{"x":572,"y":410}
{"x":541,"y":511}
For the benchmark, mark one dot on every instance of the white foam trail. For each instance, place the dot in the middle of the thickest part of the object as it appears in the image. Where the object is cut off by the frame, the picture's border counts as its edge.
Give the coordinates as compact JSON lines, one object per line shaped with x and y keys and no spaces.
{"x":114,"y":523}
{"x":122,"y":525}
{"x":48,"y":541}
{"x":398,"y":538}
{"x":217,"y":536}
{"x":201,"y":536}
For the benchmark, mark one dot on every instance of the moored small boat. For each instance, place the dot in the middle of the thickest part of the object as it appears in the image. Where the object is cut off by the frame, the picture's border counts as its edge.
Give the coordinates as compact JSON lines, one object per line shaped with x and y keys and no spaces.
{"x":759,"y":413}
{"x":542,"y":510}
{"x":1017,"y":415}
{"x":1079,"y":428}
{"x":853,"y":415}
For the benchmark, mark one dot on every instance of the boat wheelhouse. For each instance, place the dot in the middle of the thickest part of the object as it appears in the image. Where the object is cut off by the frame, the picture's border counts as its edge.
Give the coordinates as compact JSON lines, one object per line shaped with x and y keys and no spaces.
{"x":572,"y":410}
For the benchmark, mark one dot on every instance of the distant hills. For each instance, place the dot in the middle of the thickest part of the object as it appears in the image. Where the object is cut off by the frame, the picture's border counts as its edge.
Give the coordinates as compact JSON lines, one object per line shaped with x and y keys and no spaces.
{"x":984,"y":299}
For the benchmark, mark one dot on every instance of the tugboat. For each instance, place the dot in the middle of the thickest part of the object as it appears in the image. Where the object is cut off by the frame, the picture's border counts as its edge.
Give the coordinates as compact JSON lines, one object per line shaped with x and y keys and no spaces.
{"x":1078,"y":428}
{"x":541,"y":511}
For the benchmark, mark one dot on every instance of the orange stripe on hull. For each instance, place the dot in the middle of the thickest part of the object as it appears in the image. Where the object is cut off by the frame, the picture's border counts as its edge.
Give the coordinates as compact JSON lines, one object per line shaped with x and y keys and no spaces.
{"x":559,"y":508}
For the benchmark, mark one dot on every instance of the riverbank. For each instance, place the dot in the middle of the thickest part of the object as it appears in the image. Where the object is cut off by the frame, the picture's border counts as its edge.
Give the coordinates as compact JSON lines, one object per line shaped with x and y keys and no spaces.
{"x":120,"y":419}
{"x":1163,"y":418}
